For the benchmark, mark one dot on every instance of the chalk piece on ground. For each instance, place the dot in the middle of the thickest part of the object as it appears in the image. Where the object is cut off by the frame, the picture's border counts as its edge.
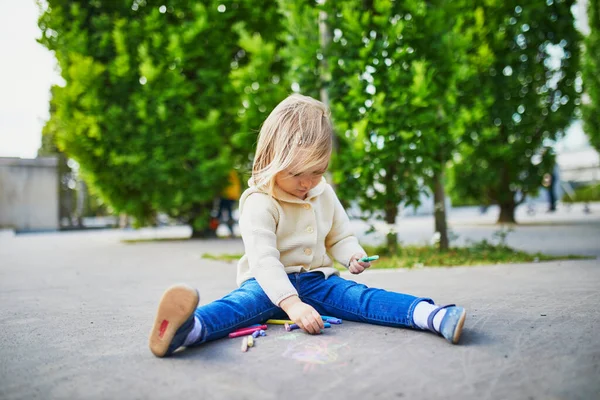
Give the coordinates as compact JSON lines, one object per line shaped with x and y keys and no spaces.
{"x":245,"y":344}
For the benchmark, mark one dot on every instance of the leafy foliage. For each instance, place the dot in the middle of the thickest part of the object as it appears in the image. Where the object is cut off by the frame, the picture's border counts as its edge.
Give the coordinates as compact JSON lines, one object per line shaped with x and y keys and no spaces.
{"x":591,"y":75}
{"x":534,"y":95}
{"x":393,"y":77}
{"x":149,"y":109}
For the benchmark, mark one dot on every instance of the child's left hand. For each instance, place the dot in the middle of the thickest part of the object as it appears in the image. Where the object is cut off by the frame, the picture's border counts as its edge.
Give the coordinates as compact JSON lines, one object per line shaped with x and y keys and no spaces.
{"x":355,"y":266}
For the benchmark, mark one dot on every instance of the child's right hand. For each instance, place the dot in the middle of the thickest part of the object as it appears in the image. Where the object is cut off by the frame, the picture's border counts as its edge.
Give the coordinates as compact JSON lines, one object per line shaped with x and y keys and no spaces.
{"x":305,"y":316}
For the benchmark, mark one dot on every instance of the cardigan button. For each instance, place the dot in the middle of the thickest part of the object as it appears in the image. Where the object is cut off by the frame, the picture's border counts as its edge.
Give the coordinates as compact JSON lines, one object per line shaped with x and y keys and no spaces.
{"x":310,"y":229}
{"x":308,"y":252}
{"x":307,"y":206}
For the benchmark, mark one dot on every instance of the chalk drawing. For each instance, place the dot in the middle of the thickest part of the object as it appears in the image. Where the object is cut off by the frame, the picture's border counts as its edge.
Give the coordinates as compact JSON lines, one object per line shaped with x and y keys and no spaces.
{"x":314,"y":351}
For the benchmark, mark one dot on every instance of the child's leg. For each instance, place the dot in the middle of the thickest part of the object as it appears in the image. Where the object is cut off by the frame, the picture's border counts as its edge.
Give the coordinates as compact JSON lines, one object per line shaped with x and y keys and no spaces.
{"x":356,"y":302}
{"x":245,"y":306}
{"x":353,"y":301}
{"x":180,"y":323}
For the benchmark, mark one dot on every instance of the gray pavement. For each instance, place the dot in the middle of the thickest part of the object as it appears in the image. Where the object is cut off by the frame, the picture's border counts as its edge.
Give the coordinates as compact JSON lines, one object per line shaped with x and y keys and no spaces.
{"x":77,"y":307}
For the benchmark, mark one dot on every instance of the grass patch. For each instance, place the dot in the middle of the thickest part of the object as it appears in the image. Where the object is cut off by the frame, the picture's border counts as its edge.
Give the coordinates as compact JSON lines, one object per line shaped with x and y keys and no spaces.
{"x":479,"y":253}
{"x":222,"y":257}
{"x":149,"y":239}
{"x":584,"y":194}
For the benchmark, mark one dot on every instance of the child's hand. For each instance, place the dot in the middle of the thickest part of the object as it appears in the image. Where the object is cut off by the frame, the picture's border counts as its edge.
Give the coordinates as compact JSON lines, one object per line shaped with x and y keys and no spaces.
{"x":302,"y":314}
{"x":355,"y":266}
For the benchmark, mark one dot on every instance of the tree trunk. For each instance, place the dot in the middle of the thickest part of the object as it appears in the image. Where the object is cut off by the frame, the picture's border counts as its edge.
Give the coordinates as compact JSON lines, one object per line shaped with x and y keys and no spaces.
{"x":201,"y":234}
{"x":439,"y":206}
{"x":507,"y":213}
{"x":324,"y":75}
{"x":391,"y":212}
{"x":207,"y":229}
{"x":506,"y":199}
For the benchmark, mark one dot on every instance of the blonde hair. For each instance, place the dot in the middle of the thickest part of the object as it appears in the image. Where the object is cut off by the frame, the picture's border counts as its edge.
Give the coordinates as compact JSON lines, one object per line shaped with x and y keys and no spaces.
{"x":298,"y":123}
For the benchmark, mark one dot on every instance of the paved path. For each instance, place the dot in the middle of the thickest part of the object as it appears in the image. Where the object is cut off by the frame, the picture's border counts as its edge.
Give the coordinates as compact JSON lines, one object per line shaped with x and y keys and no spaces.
{"x":77,"y":307}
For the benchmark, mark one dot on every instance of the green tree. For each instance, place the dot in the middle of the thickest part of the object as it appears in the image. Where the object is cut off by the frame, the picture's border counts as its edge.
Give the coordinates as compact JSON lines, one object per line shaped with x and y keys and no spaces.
{"x":591,"y":74}
{"x":532,"y":83}
{"x":148,"y":109}
{"x":393,"y":72}
{"x":259,"y":84}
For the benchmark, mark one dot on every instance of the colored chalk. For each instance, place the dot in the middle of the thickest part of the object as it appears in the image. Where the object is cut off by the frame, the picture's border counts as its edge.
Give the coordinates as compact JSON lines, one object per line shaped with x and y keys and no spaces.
{"x":246,"y":331}
{"x":262,"y":333}
{"x":250,"y":341}
{"x":369,"y":259}
{"x":279,"y":321}
{"x":245,"y":344}
{"x":295,"y":326}
{"x":248,"y":327}
{"x":255,"y":334}
{"x":327,"y":318}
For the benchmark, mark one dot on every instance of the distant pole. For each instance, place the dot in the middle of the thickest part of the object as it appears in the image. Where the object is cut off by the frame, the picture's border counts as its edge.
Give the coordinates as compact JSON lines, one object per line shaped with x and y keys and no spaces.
{"x":324,"y":76}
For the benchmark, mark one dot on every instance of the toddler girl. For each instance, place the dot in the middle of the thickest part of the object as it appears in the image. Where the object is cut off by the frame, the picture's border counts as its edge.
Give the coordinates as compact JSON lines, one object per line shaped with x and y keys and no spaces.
{"x":294,"y":227}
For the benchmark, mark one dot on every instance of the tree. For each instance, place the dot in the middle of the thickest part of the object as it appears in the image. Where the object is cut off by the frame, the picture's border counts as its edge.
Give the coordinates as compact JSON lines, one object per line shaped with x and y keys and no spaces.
{"x":260,"y":84}
{"x":591,"y":74}
{"x":450,"y":56}
{"x":392,"y":74}
{"x":532,"y":87}
{"x":148,"y":109}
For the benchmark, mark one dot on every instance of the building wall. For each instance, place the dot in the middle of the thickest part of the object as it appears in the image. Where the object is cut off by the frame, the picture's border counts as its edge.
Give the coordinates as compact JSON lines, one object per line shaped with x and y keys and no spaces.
{"x":29,"y":194}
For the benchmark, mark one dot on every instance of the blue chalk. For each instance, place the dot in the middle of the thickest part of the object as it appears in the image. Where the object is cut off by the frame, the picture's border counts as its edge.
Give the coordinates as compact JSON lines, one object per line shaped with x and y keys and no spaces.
{"x":255,"y":334}
{"x":295,"y":326}
{"x":262,"y":333}
{"x":369,"y":259}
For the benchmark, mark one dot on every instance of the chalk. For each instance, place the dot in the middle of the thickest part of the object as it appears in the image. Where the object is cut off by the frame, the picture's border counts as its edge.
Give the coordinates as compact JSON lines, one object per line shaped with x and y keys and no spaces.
{"x":255,"y":334}
{"x":369,"y":259}
{"x":295,"y":326}
{"x":248,"y":327}
{"x":331,"y":320}
{"x":250,"y":341}
{"x":245,"y":344}
{"x":246,"y":331}
{"x":279,"y":321}
{"x":262,"y":333}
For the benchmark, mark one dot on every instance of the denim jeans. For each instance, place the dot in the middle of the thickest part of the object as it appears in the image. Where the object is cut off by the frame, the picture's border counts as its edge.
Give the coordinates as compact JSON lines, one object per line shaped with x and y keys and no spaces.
{"x":335,"y":297}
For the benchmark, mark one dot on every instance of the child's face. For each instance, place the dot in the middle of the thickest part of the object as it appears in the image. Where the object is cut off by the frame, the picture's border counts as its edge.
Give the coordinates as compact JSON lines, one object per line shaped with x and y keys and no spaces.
{"x":299,"y":184}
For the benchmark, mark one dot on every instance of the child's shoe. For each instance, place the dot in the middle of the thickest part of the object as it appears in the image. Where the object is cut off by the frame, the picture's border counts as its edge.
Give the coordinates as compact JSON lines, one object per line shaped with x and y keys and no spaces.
{"x":174,"y":319}
{"x":452,"y":323}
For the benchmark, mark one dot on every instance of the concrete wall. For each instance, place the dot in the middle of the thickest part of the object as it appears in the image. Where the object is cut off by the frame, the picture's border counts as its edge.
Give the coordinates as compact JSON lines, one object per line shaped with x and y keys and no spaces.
{"x":29,"y":194}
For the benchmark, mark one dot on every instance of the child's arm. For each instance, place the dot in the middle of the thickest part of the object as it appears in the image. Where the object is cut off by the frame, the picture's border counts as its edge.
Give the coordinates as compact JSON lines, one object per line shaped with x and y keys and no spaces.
{"x":302,"y":314}
{"x":258,"y":221}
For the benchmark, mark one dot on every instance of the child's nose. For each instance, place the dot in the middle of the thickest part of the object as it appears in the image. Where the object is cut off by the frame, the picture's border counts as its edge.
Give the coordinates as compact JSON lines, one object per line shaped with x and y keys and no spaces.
{"x":305,"y":182}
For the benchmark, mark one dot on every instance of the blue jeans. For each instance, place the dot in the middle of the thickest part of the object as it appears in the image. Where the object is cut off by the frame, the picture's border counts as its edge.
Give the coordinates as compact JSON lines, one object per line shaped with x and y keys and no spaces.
{"x":335,"y":297}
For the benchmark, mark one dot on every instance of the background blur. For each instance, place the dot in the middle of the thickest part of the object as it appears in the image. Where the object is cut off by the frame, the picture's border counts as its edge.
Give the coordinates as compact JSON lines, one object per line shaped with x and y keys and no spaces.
{"x":135,"y":113}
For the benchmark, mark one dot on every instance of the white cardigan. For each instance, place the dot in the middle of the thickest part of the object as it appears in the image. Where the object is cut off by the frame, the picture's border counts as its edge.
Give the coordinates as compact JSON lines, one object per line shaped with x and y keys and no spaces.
{"x":283,"y":234}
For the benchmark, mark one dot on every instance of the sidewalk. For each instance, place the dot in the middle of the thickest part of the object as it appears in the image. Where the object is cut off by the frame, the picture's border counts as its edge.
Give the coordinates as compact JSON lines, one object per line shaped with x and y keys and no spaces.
{"x":77,"y":307}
